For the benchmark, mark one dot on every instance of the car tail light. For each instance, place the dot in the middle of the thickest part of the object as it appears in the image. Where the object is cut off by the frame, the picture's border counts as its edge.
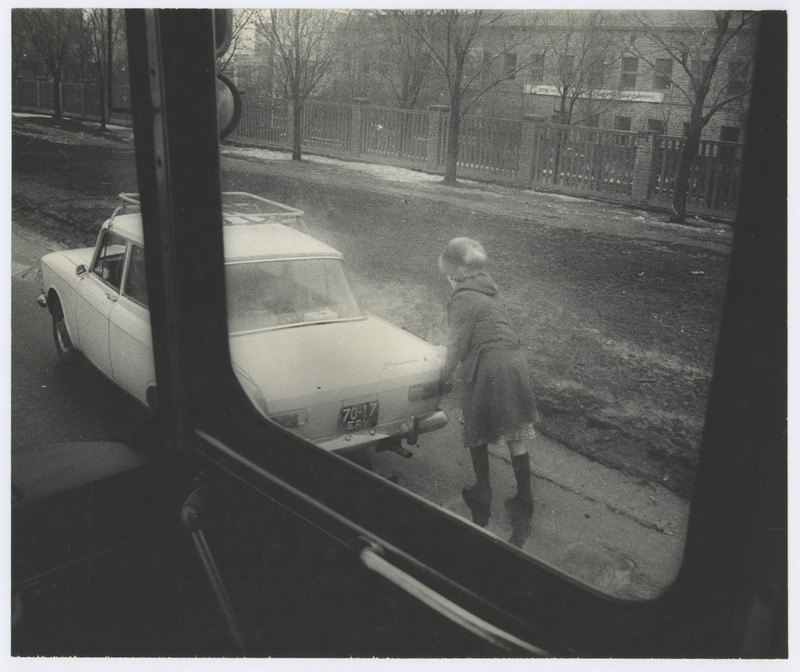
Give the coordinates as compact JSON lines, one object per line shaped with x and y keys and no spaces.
{"x":292,"y":419}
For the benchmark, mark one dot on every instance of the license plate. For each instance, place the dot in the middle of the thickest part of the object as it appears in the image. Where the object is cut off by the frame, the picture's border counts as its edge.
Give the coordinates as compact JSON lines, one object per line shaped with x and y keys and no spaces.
{"x":358,"y":416}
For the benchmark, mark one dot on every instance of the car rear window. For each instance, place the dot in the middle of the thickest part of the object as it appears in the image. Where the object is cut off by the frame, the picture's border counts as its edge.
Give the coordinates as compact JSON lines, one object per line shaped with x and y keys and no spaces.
{"x":269,"y":294}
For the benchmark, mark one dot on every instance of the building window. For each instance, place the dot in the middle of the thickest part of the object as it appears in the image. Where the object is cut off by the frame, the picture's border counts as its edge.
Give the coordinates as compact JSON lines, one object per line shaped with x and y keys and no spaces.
{"x":729,"y":134}
{"x":566,"y":68}
{"x":593,"y":121}
{"x":663,"y":76}
{"x":595,"y":76}
{"x":537,"y":69}
{"x":737,"y":77}
{"x":622,"y":123}
{"x":657,"y":126}
{"x":510,"y":65}
{"x":630,"y":65}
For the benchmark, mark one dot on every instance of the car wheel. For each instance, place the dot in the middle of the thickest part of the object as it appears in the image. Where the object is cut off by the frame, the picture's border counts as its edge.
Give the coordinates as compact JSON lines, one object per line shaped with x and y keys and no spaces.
{"x":66,"y":351}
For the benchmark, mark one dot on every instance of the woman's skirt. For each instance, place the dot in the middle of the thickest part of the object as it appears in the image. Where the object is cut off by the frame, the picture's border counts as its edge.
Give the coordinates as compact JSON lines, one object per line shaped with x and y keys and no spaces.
{"x":499,"y":400}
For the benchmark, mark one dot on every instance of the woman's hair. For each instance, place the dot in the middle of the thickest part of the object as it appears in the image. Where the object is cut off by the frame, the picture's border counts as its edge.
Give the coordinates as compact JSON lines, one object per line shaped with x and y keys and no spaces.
{"x":462,"y":258}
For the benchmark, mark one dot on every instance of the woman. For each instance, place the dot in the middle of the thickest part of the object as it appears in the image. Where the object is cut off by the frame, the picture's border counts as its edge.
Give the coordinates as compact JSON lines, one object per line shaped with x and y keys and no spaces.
{"x":497,"y":399}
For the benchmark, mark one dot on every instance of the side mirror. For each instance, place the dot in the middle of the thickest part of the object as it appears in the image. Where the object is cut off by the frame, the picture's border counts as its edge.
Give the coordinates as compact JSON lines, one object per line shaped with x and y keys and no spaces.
{"x":81,"y":270}
{"x":229,"y":105}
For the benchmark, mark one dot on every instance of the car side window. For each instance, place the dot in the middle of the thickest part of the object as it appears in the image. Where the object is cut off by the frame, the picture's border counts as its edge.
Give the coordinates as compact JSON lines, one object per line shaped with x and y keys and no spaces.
{"x":110,"y":259}
{"x":135,"y":285}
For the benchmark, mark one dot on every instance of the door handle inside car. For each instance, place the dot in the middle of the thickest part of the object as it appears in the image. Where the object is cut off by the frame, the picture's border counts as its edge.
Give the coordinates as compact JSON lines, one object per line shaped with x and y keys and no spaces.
{"x":372,"y":560}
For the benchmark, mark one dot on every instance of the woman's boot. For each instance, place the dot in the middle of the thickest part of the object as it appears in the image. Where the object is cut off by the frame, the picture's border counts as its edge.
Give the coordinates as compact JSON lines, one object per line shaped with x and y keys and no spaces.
{"x":522,"y":502}
{"x":478,"y":497}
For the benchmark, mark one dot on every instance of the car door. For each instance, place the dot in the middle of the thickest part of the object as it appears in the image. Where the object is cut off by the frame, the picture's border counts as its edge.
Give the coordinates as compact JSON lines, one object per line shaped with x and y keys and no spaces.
{"x":130,"y":338}
{"x":97,"y":294}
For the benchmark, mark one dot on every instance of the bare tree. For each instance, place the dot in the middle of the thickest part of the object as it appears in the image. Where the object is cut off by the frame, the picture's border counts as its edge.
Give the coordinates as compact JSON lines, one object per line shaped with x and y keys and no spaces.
{"x":586,"y":53}
{"x":53,"y":33}
{"x":699,"y":50}
{"x":104,"y":37}
{"x":306,"y":42}
{"x":21,"y":46}
{"x":243,"y":19}
{"x":406,"y":65}
{"x":452,"y":37}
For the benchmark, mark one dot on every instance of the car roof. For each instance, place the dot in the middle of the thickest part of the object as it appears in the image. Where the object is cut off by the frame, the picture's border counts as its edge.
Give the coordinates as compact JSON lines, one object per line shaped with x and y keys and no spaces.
{"x":270,"y":240}
{"x":246,"y":239}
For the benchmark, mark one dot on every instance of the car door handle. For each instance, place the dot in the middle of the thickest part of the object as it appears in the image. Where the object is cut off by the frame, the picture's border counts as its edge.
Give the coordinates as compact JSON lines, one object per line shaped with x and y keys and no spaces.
{"x":373,"y":561}
{"x":111,"y":297}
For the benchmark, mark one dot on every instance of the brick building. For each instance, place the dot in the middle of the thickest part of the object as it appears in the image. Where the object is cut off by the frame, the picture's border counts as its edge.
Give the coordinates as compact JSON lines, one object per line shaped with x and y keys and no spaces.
{"x":622,"y":70}
{"x":615,"y":66}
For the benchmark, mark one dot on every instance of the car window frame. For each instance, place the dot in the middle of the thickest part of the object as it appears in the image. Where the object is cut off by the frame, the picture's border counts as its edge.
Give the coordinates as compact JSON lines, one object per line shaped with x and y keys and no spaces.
{"x":103,"y":244}
{"x":129,"y":262}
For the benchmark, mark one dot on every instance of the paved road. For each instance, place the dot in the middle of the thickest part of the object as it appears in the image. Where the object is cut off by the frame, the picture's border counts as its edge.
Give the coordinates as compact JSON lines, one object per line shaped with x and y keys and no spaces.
{"x":591,"y":522}
{"x":52,"y":402}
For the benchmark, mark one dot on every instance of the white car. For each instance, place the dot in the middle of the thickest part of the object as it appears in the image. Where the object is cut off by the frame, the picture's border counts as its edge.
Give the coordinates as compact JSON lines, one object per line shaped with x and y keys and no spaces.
{"x":303,"y":351}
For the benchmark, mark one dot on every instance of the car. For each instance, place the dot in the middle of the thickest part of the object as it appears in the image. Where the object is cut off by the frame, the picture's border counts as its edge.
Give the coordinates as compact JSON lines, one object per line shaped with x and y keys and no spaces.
{"x":303,"y":351}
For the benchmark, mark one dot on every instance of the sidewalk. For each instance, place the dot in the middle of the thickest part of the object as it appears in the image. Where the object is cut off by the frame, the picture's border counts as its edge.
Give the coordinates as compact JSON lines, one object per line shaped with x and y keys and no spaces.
{"x":620,"y":534}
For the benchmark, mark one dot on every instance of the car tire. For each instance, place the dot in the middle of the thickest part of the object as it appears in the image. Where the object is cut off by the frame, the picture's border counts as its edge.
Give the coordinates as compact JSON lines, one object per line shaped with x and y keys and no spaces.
{"x":64,"y":347}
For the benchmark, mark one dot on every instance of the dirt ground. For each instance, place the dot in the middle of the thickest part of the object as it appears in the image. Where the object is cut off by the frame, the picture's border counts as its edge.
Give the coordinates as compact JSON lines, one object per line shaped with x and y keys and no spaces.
{"x":619,"y":309}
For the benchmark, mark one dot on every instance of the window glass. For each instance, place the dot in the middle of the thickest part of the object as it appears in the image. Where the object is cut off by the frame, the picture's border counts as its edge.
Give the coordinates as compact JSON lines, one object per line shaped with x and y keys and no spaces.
{"x":613,"y":315}
{"x":340,"y":329}
{"x":737,"y":77}
{"x":617,"y":333}
{"x":663,"y":76}
{"x":566,"y":67}
{"x":110,"y":259}
{"x":630,"y":65}
{"x":622,"y":123}
{"x":510,"y":65}
{"x":729,"y":134}
{"x":264,"y":294}
{"x":596,"y":76}
{"x":135,"y":283}
{"x":536,"y":69}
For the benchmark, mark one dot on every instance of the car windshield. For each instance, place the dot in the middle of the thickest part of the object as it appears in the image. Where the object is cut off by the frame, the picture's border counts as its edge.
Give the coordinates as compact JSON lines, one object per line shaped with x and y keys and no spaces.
{"x":288,"y":292}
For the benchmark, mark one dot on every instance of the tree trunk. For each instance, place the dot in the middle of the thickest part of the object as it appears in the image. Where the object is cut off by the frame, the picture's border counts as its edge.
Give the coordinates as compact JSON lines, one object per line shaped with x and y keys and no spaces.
{"x":688,"y":155}
{"x":103,"y":106}
{"x":451,"y":157}
{"x":57,"y":94}
{"x":297,"y":128}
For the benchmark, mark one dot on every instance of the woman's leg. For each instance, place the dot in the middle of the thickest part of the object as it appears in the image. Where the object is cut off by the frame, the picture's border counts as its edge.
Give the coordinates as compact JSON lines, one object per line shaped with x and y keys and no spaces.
{"x":523,"y":501}
{"x":478,"y":497}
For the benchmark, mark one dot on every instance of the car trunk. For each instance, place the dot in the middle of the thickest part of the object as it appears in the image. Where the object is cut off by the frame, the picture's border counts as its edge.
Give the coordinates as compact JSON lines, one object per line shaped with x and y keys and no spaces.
{"x":323,"y":367}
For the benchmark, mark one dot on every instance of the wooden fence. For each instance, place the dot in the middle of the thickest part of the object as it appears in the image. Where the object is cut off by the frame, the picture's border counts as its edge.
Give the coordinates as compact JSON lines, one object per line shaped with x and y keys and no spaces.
{"x":714,"y":178}
{"x":626,"y":167}
{"x":392,"y":135}
{"x":585,"y":160}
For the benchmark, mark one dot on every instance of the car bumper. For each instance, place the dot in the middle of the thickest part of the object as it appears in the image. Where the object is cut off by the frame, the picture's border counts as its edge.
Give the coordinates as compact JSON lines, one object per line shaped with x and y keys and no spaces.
{"x":408,"y":429}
